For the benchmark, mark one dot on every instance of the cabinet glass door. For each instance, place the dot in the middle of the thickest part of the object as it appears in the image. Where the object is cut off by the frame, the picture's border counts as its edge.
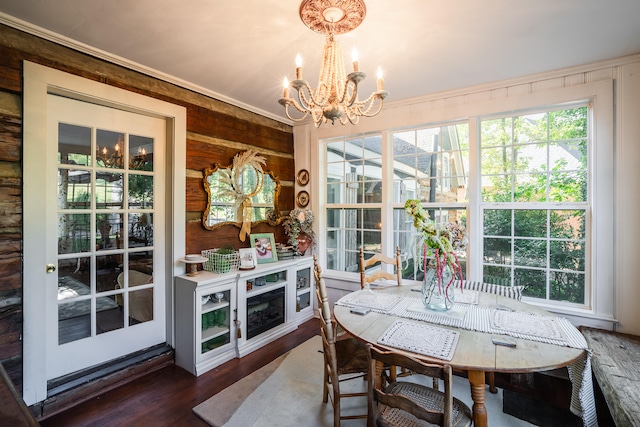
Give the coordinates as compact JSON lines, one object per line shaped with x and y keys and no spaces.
{"x":215,"y":320}
{"x":303,"y":288}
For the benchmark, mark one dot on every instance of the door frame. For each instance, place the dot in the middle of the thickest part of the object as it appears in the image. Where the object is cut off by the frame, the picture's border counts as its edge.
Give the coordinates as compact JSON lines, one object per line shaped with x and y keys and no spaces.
{"x":38,"y":82}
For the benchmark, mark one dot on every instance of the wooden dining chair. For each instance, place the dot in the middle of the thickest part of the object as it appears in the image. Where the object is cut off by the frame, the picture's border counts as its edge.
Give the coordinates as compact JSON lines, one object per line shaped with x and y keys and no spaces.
{"x":345,"y":358}
{"x":380,"y":274}
{"x":411,"y":403}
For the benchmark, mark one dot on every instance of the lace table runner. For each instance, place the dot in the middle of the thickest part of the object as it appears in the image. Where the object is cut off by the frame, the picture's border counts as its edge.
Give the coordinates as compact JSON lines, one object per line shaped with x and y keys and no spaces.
{"x":374,"y":300}
{"x":422,"y":339}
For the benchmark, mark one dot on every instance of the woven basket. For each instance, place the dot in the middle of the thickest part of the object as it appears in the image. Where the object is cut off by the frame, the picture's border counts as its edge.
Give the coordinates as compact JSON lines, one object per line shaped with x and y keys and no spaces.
{"x":221,"y":263}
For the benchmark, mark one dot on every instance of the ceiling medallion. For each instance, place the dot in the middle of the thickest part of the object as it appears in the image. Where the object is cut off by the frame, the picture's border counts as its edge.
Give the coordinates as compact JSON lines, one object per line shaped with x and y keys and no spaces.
{"x":336,"y":96}
{"x":332,"y":16}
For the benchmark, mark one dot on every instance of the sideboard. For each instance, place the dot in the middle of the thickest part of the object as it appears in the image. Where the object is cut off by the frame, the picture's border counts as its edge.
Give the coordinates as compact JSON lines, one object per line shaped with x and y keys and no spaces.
{"x":223,"y":316}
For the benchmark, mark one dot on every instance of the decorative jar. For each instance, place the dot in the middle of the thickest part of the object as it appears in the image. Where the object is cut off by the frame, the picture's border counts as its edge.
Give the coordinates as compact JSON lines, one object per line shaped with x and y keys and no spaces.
{"x":437,"y":294}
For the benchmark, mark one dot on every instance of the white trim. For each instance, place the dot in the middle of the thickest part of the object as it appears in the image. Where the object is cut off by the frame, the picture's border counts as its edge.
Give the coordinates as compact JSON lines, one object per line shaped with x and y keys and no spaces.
{"x":38,"y":81}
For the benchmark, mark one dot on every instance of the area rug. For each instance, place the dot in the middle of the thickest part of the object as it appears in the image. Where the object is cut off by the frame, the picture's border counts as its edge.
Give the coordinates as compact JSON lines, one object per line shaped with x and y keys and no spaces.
{"x":288,"y":392}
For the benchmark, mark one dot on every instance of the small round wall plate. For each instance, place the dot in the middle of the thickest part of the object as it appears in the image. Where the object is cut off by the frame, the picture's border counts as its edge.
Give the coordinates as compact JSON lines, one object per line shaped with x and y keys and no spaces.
{"x":302,"y":199}
{"x":303,"y":177}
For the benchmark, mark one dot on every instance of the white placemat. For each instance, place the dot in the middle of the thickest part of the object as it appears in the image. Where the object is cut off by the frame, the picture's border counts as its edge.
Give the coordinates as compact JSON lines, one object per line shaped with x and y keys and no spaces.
{"x":527,"y":324}
{"x":420,"y":338}
{"x":374,"y":300}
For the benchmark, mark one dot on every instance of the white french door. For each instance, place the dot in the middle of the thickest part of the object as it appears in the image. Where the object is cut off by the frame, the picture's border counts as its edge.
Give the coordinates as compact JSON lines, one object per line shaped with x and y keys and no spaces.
{"x":103,"y":207}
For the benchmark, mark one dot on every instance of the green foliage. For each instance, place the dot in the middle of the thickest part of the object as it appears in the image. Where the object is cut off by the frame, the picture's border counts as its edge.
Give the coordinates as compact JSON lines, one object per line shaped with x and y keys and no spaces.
{"x":511,"y":147}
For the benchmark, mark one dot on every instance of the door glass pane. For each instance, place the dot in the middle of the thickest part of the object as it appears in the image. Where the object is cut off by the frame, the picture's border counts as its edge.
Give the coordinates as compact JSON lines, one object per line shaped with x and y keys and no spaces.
{"x":109,"y":314}
{"x":74,"y":145}
{"x":142,"y":262}
{"x":74,"y":321}
{"x":140,"y":230}
{"x":74,"y":189}
{"x":74,"y":233}
{"x":140,"y":191}
{"x":110,"y":149}
{"x":73,"y":278}
{"x":109,"y":231}
{"x":140,"y":306}
{"x":107,"y":269}
{"x":109,"y":190}
{"x":140,"y":153}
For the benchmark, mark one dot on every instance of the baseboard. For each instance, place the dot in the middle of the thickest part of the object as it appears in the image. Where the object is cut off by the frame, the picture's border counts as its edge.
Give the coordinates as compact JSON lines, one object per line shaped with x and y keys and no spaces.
{"x":67,"y":392}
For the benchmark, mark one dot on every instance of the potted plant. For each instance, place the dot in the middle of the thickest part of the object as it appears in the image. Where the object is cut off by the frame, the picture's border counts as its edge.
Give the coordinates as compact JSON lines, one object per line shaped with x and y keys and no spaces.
{"x":299,"y":227}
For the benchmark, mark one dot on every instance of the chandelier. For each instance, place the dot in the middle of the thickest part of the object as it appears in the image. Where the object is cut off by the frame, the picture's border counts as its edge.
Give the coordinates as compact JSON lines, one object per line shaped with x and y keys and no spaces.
{"x":336,"y":96}
{"x":115,"y":158}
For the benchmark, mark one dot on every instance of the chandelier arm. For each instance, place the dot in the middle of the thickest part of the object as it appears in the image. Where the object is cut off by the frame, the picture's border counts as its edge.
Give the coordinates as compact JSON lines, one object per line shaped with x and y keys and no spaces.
{"x":369,"y":103}
{"x":313,"y":101}
{"x":354,"y":78}
{"x":354,"y":94}
{"x":287,"y":102}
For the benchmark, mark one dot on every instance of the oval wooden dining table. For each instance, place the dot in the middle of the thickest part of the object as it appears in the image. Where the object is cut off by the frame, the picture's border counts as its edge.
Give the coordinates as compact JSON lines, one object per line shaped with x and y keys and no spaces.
{"x":475,"y":352}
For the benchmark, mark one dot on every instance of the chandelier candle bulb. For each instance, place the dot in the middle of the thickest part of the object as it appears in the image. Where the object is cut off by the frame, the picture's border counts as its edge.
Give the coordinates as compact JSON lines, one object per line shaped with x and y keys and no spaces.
{"x":354,"y":58}
{"x":285,"y":84}
{"x":298,"y":67}
{"x":380,"y":79}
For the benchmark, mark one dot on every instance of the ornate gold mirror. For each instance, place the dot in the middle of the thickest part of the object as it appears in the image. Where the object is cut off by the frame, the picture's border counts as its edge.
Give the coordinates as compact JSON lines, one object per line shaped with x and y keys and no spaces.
{"x":241,"y":194}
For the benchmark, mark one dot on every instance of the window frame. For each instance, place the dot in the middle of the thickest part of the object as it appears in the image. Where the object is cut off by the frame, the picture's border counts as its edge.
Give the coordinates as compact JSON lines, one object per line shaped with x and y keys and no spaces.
{"x":600,"y":301}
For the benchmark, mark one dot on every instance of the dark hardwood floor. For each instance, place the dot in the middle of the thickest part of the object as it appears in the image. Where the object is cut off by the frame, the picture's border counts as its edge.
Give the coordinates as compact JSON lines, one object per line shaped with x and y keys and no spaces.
{"x":166,"y":397}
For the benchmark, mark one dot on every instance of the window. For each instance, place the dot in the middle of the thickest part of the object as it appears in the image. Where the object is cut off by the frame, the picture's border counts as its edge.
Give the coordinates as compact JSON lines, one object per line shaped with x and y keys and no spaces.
{"x":432,"y":165}
{"x":532,"y":201}
{"x":354,"y":200}
{"x":535,"y":201}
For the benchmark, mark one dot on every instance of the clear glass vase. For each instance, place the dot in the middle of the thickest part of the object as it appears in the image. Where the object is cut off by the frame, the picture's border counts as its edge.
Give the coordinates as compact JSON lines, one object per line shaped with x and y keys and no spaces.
{"x":435,"y":295}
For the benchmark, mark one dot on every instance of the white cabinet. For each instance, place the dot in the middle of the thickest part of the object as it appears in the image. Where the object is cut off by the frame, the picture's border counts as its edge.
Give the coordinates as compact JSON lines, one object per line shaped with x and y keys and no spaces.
{"x":305,"y":288}
{"x":205,"y":321}
{"x":223,"y":316}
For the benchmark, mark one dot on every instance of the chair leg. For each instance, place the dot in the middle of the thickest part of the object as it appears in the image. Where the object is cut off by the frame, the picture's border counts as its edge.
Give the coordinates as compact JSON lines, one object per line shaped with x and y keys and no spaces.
{"x":325,"y":388}
{"x":492,"y":382}
{"x":336,"y":410}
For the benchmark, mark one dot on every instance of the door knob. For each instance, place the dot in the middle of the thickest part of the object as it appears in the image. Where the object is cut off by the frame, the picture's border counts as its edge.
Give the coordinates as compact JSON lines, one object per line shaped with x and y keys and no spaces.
{"x":51,"y":268}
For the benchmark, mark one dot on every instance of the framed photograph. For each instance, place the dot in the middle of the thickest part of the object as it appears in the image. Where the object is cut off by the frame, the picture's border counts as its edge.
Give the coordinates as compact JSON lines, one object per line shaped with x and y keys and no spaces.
{"x":265,"y":246}
{"x":303,"y":177}
{"x":248,"y":258}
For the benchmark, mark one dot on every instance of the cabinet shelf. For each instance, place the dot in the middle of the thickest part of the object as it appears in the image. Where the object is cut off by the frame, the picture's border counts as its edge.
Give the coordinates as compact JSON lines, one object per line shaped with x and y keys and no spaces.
{"x":214,"y":332}
{"x":211,"y":306}
{"x":257,"y":290}
{"x":303,"y":291}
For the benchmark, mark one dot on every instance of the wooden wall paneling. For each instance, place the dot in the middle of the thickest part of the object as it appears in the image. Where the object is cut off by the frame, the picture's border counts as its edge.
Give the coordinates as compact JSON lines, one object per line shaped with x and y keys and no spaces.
{"x":223,"y":126}
{"x":196,"y":197}
{"x":10,"y":138}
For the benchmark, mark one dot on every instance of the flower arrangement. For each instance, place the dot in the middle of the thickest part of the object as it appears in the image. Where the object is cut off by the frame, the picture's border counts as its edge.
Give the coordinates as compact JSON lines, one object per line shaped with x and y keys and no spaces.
{"x":299,"y":222}
{"x":441,"y":243}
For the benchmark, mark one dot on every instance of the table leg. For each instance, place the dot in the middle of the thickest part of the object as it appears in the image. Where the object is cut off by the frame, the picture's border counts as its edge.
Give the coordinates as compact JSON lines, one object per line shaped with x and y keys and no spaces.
{"x":476,"y":380}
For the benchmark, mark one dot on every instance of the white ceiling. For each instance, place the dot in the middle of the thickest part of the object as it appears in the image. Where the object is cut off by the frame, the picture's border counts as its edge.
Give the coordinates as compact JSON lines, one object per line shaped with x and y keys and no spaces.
{"x":240,"y":50}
